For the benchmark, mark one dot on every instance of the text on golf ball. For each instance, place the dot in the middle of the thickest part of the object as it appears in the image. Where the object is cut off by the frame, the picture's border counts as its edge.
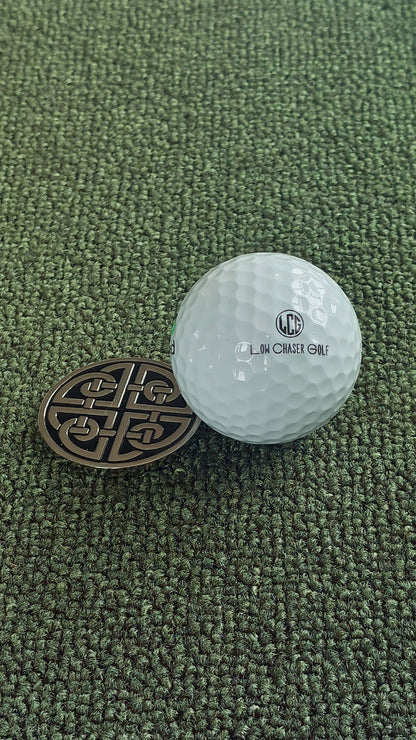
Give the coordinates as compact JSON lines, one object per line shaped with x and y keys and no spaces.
{"x":293,"y":348}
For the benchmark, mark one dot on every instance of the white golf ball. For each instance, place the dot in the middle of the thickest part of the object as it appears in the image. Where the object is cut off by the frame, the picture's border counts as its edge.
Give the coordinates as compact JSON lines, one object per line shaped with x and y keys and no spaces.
{"x":266,"y":348}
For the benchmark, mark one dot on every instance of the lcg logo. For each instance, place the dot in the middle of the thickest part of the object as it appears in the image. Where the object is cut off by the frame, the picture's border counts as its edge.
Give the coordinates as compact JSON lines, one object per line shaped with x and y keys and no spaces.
{"x":289,"y":323}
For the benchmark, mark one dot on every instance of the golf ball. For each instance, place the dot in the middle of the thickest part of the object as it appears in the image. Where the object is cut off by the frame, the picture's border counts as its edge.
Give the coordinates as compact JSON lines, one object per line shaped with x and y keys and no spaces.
{"x":266,"y":348}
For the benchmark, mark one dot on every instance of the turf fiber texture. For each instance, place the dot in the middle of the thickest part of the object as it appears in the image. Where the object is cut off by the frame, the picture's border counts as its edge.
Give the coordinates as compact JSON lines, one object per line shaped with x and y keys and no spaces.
{"x":229,"y":591}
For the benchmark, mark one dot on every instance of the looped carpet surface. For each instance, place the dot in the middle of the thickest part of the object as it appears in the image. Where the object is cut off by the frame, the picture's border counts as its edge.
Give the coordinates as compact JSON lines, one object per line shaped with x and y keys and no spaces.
{"x":229,"y":591}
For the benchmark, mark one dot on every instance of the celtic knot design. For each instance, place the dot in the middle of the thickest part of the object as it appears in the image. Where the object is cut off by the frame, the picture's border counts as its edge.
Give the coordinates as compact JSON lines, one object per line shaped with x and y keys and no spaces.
{"x":117,"y":413}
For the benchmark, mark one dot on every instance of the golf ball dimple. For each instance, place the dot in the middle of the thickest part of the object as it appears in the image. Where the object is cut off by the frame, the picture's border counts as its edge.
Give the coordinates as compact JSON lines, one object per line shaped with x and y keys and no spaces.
{"x":266,"y":348}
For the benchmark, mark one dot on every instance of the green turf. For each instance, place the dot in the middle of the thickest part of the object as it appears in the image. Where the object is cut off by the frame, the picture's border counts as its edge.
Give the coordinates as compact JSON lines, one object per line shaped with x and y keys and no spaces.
{"x":230,"y":591}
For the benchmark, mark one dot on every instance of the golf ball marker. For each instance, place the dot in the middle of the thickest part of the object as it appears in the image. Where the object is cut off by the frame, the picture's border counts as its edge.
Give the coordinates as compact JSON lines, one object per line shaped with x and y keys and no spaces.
{"x":116,"y":414}
{"x":266,"y":348}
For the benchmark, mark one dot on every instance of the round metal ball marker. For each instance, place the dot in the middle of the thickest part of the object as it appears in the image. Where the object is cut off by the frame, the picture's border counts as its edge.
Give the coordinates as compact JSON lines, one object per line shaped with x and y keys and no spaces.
{"x":118,"y":413}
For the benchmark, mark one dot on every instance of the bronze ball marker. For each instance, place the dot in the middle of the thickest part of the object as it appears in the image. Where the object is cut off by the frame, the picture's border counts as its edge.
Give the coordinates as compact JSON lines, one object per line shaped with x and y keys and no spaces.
{"x":117,"y":414}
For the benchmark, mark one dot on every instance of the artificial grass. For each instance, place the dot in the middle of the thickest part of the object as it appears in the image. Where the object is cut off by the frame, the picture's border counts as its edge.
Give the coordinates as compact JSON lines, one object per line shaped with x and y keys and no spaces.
{"x":230,"y":591}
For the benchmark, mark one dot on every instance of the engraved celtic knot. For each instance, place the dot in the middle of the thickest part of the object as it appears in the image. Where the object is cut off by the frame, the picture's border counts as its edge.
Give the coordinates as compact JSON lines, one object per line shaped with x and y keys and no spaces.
{"x":117,"y":413}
